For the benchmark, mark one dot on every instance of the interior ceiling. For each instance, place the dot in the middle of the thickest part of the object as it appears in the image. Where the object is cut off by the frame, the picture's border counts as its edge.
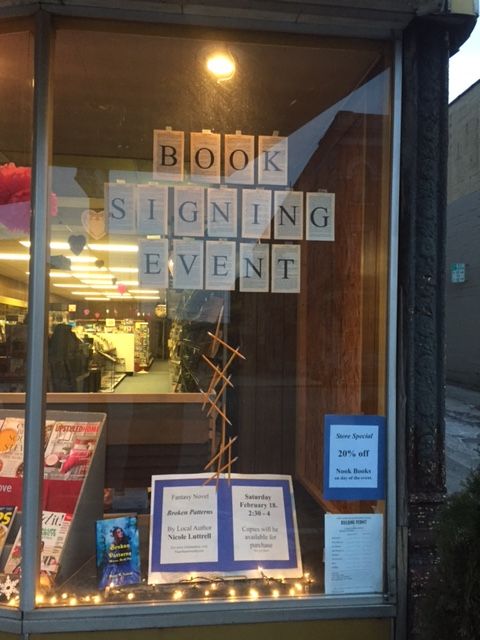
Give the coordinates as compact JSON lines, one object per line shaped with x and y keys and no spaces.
{"x":113,"y":89}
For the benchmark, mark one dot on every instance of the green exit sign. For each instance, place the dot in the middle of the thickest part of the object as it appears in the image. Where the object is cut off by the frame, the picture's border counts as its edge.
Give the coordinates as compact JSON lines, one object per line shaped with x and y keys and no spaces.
{"x":457,"y":272}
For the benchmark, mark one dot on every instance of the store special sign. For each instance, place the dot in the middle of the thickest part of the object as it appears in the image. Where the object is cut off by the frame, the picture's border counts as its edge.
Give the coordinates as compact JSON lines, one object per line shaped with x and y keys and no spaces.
{"x":217,"y":237}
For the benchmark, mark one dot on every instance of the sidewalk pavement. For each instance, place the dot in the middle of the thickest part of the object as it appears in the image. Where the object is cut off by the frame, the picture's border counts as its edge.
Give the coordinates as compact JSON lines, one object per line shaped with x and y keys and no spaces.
{"x":462,"y":437}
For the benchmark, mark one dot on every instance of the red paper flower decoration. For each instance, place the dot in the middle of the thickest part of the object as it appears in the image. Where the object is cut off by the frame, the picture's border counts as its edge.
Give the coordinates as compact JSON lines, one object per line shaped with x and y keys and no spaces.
{"x":15,"y":197}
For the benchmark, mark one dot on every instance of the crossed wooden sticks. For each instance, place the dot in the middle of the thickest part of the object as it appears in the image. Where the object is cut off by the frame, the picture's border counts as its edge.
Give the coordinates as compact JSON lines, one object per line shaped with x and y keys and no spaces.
{"x":213,"y":397}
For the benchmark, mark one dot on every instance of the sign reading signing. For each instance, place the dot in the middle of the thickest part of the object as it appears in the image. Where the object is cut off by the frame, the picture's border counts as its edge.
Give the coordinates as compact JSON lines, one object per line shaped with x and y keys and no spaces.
{"x":354,"y":455}
{"x":152,"y":209}
{"x":222,"y":213}
{"x":120,"y":207}
{"x":188,"y":211}
{"x":227,"y":529}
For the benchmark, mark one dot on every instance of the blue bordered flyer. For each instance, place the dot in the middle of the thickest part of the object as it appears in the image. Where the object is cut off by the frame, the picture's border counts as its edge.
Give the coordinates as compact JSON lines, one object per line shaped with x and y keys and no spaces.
{"x":354,"y":457}
{"x":241,"y":528}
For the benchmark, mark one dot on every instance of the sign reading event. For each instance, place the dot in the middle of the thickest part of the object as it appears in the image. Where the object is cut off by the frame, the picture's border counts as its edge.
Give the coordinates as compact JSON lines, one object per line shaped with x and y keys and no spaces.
{"x":354,"y":464}
{"x":246,"y":522}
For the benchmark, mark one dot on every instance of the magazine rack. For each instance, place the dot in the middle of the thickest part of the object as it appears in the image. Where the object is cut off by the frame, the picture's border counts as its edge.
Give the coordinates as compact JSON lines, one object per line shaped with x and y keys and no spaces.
{"x":83,"y":498}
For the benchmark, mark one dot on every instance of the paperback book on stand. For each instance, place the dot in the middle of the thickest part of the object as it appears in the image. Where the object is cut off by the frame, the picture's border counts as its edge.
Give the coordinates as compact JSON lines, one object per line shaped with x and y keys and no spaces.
{"x":118,"y":552}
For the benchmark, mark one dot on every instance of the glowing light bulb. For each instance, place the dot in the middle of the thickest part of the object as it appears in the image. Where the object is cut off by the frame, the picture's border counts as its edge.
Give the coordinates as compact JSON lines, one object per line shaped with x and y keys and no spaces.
{"x":221,"y":65}
{"x":232,"y":593}
{"x":275,"y":593}
{"x":253,"y":593}
{"x":292,"y":592}
{"x":130,"y":596}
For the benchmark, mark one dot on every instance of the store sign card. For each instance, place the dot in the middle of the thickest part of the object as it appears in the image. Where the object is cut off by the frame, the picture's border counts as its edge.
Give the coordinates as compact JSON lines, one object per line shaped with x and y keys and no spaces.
{"x":286,"y":260}
{"x":220,"y":265}
{"x":288,"y":215}
{"x":153,"y":263}
{"x":205,"y":157}
{"x":152,"y":209}
{"x":222,"y":213}
{"x":254,"y":267}
{"x":353,"y":553}
{"x":188,"y":264}
{"x":189,"y":211}
{"x":120,"y":207}
{"x":168,"y":155}
{"x":239,"y":159}
{"x":320,"y":216}
{"x":354,"y":458}
{"x":231,"y":529}
{"x":273,"y":160}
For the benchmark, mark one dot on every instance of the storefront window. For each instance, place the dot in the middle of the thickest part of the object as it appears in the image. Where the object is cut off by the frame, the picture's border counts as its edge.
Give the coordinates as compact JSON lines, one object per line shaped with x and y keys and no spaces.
{"x":16,"y":69}
{"x":218,"y":312}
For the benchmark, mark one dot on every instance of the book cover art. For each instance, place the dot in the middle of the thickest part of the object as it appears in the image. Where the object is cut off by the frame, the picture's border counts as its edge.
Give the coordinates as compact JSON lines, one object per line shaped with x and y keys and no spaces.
{"x":118,"y":552}
{"x":7,"y":515}
{"x":55,"y":526}
{"x":70,"y":449}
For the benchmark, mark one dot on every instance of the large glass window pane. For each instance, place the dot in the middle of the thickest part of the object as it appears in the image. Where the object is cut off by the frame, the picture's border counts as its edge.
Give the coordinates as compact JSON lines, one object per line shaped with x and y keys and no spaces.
{"x":217,"y":316}
{"x":16,"y":85}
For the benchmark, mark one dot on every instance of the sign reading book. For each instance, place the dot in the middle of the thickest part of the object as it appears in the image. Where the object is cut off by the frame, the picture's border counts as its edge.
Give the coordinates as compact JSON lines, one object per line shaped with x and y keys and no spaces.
{"x":354,"y":458}
{"x":245,"y":523}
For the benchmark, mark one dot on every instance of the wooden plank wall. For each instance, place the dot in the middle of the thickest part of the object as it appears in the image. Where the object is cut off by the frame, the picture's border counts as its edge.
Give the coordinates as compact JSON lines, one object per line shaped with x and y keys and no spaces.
{"x":262,"y":405}
{"x":338,"y":322}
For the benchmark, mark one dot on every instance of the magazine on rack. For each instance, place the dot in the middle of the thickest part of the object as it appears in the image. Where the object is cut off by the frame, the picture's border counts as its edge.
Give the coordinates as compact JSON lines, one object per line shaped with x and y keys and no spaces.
{"x":7,"y":515}
{"x":70,"y":449}
{"x":11,"y":447}
{"x":55,"y":527}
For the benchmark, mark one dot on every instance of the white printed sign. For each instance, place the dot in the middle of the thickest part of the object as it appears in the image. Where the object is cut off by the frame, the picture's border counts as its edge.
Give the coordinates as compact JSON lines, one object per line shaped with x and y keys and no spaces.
{"x":288,"y":215}
{"x":353,"y":456}
{"x":205,"y":159}
{"x":120,"y":207}
{"x":254,"y":267}
{"x":153,"y":263}
{"x":220,"y":265}
{"x":239,"y":159}
{"x":222,"y":213}
{"x":256,"y":213}
{"x":189,"y":525}
{"x":168,"y":155}
{"x":152,"y":209}
{"x":285,"y":268}
{"x":273,"y":160}
{"x":353,"y":553}
{"x":320,"y":212}
{"x":259,"y":524}
{"x":188,"y":264}
{"x":188,"y":211}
